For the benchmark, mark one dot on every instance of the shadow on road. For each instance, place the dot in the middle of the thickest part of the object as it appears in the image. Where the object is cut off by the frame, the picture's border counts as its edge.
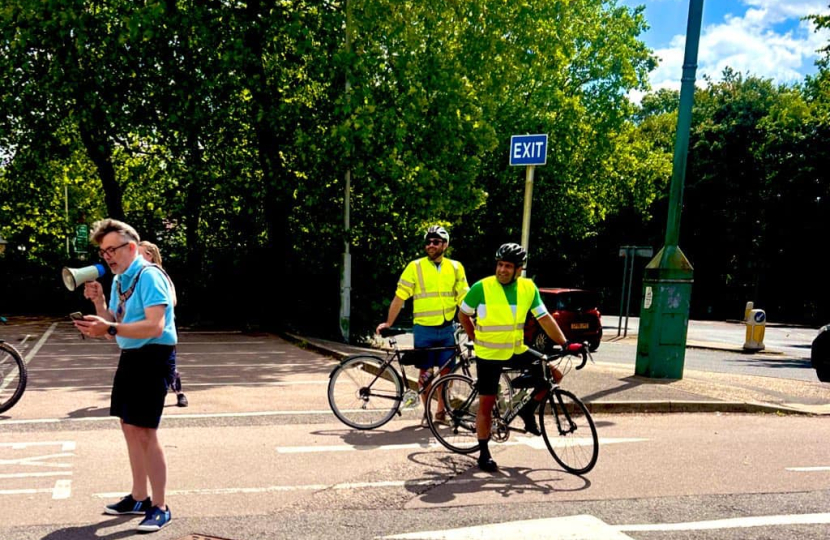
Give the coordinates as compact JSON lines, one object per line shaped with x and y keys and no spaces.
{"x":776,"y":362}
{"x":455,"y":475}
{"x":89,"y":412}
{"x":85,"y":532}
{"x":367,"y":440}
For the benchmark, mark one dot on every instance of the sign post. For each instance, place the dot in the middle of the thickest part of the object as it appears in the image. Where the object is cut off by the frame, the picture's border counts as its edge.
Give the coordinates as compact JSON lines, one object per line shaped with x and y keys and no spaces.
{"x":629,"y":253}
{"x":528,"y":150}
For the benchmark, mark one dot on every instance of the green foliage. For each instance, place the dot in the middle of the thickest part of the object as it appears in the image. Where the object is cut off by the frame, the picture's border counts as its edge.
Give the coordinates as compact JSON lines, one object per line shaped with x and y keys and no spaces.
{"x":225,"y":132}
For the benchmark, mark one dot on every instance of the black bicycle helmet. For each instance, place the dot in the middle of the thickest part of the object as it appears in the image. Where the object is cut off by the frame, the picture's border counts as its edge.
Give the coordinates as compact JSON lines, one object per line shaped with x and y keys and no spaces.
{"x":437,"y":231}
{"x":512,"y":253}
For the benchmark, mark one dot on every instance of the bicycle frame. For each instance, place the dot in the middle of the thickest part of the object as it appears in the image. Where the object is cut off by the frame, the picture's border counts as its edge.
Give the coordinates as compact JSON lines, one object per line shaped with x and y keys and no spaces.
{"x":396,"y":354}
{"x":513,"y":409}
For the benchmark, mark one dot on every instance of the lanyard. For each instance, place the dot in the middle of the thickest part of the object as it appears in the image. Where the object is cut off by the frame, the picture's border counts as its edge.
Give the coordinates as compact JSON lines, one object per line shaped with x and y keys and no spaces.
{"x":124,"y":296}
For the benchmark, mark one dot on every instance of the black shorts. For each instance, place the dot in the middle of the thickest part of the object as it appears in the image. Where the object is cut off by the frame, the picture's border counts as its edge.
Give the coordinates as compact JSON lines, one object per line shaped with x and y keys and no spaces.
{"x":140,"y":384}
{"x":489,"y":371}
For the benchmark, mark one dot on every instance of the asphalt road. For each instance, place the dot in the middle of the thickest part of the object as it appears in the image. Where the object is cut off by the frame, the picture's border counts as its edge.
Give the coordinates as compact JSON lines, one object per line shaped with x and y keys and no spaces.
{"x":792,"y":341}
{"x":717,"y":346}
{"x":259,"y":455}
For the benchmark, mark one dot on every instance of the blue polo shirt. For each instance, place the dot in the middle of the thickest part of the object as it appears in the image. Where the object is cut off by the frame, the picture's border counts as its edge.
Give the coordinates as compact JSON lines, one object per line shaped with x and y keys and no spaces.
{"x":153,"y":289}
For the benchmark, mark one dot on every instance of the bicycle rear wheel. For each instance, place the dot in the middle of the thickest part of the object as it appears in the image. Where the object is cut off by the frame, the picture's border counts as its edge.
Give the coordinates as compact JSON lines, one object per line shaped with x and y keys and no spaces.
{"x":13,"y":376}
{"x":569,"y":432}
{"x":364,"y":392}
{"x":460,"y":398}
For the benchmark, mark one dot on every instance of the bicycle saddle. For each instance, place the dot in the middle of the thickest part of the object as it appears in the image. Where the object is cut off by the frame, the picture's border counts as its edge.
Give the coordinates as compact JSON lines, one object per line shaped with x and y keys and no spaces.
{"x":389,"y":332}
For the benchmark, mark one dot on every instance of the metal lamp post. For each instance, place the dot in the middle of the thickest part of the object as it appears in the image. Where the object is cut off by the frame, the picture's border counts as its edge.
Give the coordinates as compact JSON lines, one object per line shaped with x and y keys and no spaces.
{"x":668,"y":278}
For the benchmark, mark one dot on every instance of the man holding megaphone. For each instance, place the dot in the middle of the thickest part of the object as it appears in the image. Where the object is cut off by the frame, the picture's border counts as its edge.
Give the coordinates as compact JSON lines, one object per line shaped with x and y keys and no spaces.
{"x":75,"y":277}
{"x":139,"y":316}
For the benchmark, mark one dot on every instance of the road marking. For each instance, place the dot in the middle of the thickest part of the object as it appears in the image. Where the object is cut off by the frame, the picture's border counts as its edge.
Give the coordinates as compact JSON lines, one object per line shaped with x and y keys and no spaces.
{"x":97,"y":343}
{"x":36,"y":461}
{"x":36,"y":474}
{"x":273,"y":489}
{"x":534,"y":442}
{"x":166,"y":417}
{"x":320,"y":487}
{"x":808,"y":469}
{"x":61,"y":490}
{"x":571,"y":528}
{"x":190,"y":384}
{"x":5,"y":382}
{"x":178,"y":354}
{"x":66,"y":446}
{"x":39,"y":343}
{"x":733,"y":523}
{"x":350,"y":447}
{"x":587,"y":527}
{"x":189,"y":367}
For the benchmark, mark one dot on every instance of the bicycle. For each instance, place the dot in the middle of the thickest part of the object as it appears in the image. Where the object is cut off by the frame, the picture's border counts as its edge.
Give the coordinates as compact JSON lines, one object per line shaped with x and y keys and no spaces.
{"x":13,"y":376}
{"x":365,"y":391}
{"x":571,"y":438}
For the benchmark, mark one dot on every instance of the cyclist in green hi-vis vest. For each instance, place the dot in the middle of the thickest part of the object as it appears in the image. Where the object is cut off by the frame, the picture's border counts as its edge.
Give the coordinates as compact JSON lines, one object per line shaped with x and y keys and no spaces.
{"x":500,"y":304}
{"x":436,"y":284}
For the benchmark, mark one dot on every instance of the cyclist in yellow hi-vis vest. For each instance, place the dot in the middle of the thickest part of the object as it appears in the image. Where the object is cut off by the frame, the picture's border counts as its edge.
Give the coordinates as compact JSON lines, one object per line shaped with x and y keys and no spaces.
{"x":437,"y":285}
{"x":500,"y":304}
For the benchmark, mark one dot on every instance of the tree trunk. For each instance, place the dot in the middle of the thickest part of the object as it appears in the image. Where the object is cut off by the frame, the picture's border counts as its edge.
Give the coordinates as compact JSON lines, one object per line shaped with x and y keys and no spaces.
{"x":99,"y":150}
{"x":276,"y":203}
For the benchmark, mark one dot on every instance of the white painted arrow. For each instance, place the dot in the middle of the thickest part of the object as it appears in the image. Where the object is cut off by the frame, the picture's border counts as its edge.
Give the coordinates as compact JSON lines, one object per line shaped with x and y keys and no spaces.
{"x":585,"y":527}
{"x":563,"y":528}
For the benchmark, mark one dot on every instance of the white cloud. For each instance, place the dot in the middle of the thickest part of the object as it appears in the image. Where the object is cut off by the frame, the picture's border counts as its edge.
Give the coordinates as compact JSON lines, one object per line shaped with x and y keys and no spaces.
{"x":750,"y":43}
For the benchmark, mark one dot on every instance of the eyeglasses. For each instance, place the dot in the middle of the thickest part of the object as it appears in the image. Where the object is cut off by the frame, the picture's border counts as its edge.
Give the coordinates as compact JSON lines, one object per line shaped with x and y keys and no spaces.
{"x":110,"y":251}
{"x":433,"y":242}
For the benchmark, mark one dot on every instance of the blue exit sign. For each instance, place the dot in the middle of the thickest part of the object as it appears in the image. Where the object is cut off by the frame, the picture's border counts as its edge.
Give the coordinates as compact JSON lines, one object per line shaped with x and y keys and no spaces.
{"x":528,"y":149}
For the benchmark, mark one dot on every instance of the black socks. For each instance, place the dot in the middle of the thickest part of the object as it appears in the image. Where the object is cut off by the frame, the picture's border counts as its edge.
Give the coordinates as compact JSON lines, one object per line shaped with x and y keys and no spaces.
{"x":485,"y":460}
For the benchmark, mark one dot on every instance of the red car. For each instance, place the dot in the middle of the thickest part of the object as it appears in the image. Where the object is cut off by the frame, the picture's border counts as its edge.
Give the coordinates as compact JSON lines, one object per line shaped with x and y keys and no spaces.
{"x":576,"y":313}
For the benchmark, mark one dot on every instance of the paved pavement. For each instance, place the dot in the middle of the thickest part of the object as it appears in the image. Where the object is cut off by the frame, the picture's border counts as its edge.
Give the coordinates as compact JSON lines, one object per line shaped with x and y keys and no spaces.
{"x":609,"y":387}
{"x":613,"y":387}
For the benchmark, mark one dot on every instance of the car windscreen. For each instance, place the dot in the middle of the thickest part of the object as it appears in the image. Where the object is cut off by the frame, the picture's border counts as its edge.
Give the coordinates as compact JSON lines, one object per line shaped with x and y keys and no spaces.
{"x":574,"y":301}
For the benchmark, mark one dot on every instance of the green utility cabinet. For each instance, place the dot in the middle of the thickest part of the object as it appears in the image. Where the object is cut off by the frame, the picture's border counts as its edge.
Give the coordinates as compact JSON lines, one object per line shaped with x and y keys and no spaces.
{"x":664,"y":315}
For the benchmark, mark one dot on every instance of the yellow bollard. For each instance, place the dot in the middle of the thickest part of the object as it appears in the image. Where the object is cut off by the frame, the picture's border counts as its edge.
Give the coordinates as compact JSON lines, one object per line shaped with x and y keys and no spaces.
{"x":749,"y":306}
{"x":756,"y":324}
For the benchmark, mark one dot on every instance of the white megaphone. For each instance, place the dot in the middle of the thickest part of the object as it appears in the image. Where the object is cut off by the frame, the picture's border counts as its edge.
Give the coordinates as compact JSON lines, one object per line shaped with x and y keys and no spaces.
{"x":74,"y":277}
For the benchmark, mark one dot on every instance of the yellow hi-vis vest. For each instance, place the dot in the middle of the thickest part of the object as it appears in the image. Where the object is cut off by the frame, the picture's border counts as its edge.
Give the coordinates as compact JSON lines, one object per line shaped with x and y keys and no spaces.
{"x":500,"y":333}
{"x":435,"y":295}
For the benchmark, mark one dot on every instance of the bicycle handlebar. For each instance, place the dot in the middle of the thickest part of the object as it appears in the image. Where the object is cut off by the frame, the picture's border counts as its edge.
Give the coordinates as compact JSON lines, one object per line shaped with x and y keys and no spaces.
{"x":584,"y":354}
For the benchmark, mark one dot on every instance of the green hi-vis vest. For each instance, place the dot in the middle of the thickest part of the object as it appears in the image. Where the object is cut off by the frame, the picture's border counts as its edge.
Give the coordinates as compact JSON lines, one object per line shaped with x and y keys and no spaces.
{"x":500,"y":333}
{"x":434,"y":294}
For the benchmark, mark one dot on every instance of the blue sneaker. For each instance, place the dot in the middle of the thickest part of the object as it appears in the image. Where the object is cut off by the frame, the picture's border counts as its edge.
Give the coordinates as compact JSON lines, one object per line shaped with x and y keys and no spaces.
{"x":128,"y":505}
{"x":155,"y":519}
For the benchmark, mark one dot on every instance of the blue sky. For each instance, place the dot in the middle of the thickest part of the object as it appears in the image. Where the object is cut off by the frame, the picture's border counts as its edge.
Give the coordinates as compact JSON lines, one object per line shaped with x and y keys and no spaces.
{"x":766,"y":38}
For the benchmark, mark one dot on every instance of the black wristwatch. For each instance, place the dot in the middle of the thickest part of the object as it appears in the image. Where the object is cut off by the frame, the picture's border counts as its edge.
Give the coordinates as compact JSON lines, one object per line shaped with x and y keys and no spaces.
{"x":112,"y":329}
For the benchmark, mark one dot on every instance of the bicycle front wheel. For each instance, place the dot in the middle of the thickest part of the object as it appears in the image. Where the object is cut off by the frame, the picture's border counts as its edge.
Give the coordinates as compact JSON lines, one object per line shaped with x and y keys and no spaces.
{"x":12,"y":376}
{"x":569,"y":433}
{"x":457,"y":396}
{"x":364,"y":392}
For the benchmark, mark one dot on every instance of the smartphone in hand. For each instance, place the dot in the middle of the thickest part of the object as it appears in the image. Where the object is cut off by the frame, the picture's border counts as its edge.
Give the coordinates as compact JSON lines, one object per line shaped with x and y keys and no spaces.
{"x":77,"y":316}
